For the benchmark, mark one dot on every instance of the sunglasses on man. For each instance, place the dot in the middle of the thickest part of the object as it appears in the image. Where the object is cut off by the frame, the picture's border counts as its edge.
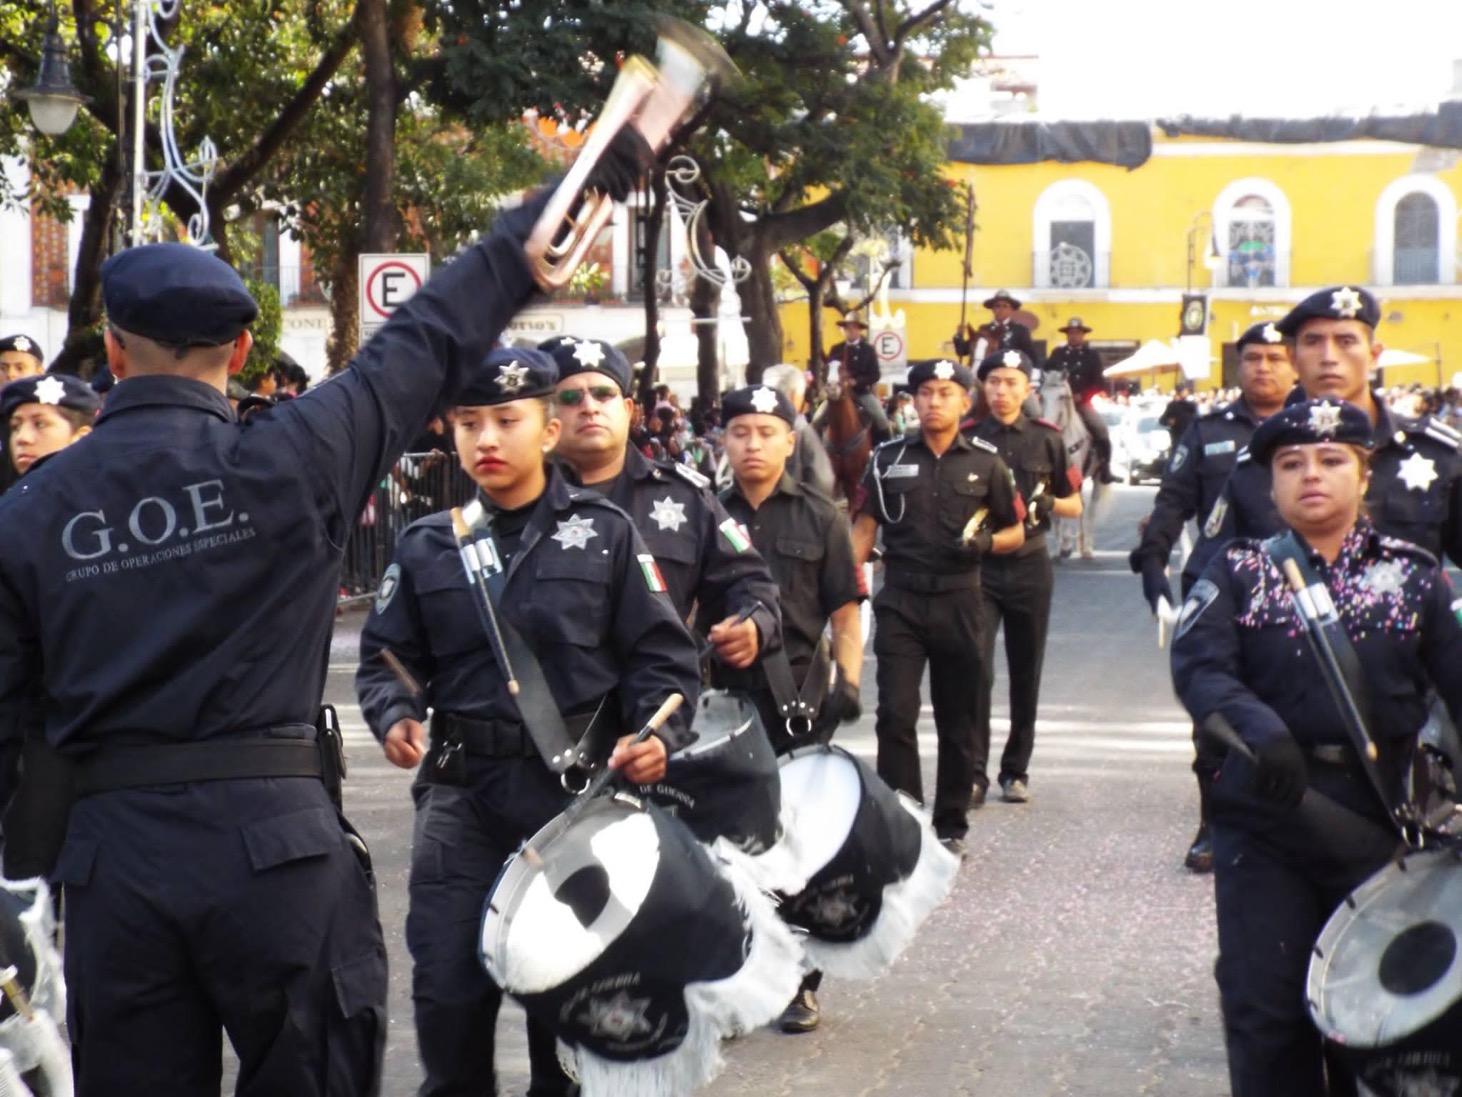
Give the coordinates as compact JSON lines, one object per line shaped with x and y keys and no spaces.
{"x":572,"y":398}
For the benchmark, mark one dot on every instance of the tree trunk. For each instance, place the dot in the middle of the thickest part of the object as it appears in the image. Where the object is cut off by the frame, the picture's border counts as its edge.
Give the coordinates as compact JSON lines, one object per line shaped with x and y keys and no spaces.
{"x":380,"y":228}
{"x":816,"y":355}
{"x":344,"y":309}
{"x":759,"y":307}
{"x":654,"y":225}
{"x":84,"y":309}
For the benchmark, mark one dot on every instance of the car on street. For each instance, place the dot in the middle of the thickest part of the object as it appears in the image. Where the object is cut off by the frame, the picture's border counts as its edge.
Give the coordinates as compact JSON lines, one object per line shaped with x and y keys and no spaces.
{"x":1140,"y":446}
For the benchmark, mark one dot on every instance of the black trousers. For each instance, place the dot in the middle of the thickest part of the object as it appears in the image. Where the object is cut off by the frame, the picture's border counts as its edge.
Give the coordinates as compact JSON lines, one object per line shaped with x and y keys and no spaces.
{"x":463,"y":836}
{"x":941,"y":630}
{"x":1101,"y":437}
{"x":1016,"y":591}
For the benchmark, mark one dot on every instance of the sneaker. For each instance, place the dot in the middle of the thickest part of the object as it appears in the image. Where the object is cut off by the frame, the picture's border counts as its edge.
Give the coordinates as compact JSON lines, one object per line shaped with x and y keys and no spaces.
{"x":1014,"y":791}
{"x":955,"y":846}
{"x":801,"y":1014}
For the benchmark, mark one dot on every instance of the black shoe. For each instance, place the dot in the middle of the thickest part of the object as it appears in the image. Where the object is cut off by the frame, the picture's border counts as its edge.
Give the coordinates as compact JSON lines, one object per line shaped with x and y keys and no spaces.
{"x":801,"y":1014}
{"x":977,"y":798}
{"x":1200,"y":853}
{"x":1105,"y":476}
{"x":955,"y":846}
{"x":1014,"y":791}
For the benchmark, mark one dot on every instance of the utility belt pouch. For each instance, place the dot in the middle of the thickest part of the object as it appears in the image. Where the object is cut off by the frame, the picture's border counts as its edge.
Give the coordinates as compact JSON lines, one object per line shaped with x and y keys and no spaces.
{"x":35,"y":821}
{"x":331,"y":744}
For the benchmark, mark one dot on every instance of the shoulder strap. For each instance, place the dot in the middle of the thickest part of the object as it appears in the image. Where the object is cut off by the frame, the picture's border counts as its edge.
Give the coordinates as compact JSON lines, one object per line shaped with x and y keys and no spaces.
{"x":794,"y":704}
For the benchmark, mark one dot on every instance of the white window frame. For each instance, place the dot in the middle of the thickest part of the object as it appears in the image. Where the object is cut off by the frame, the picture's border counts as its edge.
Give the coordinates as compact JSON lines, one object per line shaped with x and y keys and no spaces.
{"x":1047,"y":209}
{"x":1223,"y":217}
{"x":1385,"y":237}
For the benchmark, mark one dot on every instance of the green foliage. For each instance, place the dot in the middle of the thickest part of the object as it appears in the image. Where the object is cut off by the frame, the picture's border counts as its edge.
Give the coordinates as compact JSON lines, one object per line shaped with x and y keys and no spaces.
{"x":267,"y":329}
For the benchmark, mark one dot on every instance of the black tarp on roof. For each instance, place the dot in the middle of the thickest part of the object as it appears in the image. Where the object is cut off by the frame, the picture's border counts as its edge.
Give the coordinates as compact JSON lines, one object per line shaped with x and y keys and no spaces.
{"x":1126,"y":144}
{"x":1441,"y":128}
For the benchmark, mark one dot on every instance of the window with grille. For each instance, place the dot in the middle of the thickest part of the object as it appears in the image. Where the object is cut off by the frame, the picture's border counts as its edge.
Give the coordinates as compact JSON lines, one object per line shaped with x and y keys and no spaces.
{"x":1417,"y":256}
{"x":1251,"y":243}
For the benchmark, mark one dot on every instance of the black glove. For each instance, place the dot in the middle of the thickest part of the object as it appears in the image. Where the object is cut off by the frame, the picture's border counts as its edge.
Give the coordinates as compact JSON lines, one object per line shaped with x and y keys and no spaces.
{"x":1280,"y":774}
{"x":1155,"y":582}
{"x":1039,"y":508}
{"x":980,"y":544}
{"x":625,"y":162}
{"x":840,"y":706}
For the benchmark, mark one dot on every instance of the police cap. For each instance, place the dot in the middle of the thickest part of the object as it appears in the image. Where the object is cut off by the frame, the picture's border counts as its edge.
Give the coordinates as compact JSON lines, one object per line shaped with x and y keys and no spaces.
{"x":588,"y":356}
{"x":1267,"y":334}
{"x":506,"y":375}
{"x":1310,"y":422}
{"x":60,"y":390}
{"x":22,"y":343}
{"x":941,"y":370}
{"x":757,"y":400}
{"x":1335,"y":303}
{"x":1004,"y":359}
{"x":177,"y":295}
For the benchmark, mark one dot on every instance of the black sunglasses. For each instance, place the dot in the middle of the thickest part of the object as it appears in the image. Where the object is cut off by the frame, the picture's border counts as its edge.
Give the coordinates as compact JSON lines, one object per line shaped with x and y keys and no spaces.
{"x":572,"y":398}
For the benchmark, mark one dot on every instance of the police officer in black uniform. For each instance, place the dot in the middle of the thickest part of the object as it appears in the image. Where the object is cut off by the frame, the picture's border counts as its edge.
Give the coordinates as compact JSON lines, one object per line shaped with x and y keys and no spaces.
{"x":1191,"y":487}
{"x":805,"y":538}
{"x":1083,"y":368}
{"x":611,"y":648}
{"x":167,"y":591}
{"x":1281,"y":868}
{"x":1004,"y":332}
{"x":944,"y":503}
{"x":1016,"y":588}
{"x":703,"y":554}
{"x":1415,"y":488}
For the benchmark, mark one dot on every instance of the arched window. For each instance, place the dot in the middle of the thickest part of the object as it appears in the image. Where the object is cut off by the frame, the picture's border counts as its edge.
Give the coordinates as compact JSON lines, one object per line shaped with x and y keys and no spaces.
{"x":1252,"y":222}
{"x":1072,"y":237}
{"x":1413,"y":243}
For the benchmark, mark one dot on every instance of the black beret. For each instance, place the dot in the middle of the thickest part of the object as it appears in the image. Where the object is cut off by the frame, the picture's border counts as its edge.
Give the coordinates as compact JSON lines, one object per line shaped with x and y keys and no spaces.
{"x":757,"y":400}
{"x":60,"y":390}
{"x":1335,"y":303}
{"x":177,"y":295}
{"x":506,"y":375}
{"x":588,"y":356}
{"x":1266,"y":333}
{"x":942,"y":370}
{"x":1309,"y":422}
{"x":1005,"y":359}
{"x":22,"y":343}
{"x":1002,"y":295}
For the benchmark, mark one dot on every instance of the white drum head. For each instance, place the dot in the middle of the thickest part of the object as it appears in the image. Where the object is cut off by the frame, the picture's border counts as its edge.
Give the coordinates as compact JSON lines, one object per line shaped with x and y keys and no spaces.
{"x":827,"y":790}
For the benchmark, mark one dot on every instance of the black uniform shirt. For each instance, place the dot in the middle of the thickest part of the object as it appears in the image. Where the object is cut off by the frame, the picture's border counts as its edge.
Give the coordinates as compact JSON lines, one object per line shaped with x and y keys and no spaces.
{"x":1007,"y":336}
{"x":805,"y":538}
{"x":924,"y":502}
{"x":703,"y":554}
{"x":1035,"y":454}
{"x":580,"y":590}
{"x":174,"y":576}
{"x":1082,"y":366}
{"x":858,"y":363}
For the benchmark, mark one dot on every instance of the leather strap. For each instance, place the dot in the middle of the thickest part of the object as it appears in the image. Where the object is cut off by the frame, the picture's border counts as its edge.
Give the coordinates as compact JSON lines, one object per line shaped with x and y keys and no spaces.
{"x":178,"y":763}
{"x":793,"y":703}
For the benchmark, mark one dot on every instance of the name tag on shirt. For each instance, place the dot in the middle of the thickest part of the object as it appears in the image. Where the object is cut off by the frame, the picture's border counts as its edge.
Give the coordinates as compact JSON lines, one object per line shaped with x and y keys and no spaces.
{"x":1219,"y":447}
{"x":900,"y":472}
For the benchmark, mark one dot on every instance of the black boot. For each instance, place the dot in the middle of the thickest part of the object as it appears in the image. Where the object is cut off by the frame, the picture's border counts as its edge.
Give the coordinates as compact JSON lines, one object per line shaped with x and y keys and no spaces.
{"x":1103,"y":449}
{"x":1200,"y":853}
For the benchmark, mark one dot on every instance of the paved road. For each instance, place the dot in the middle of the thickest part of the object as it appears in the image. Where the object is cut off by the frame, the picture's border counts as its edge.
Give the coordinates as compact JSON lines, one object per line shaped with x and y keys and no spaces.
{"x":1075,"y":955}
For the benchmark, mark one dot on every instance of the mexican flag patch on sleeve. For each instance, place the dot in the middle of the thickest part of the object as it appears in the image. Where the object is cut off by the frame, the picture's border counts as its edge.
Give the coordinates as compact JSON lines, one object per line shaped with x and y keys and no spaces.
{"x":653,"y":579}
{"x":735,"y":534}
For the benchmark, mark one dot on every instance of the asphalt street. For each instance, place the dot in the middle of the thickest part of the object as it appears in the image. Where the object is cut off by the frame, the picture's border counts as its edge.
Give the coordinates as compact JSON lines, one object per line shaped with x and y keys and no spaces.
{"x":1075,"y":955}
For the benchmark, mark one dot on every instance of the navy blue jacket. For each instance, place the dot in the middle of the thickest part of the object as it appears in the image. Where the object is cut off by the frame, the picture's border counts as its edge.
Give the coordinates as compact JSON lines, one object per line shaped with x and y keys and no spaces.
{"x":173,"y":576}
{"x":584,"y":601}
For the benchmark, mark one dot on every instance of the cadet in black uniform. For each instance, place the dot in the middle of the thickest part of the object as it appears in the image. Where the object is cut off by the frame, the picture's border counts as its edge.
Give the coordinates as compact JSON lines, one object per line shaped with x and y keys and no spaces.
{"x":1238,"y":652}
{"x":44,"y":414}
{"x":1191,"y":488}
{"x":1416,"y":470}
{"x":1084,"y":374}
{"x":701,"y":551}
{"x":610,"y":645}
{"x":1001,"y":333}
{"x":1016,"y":588}
{"x":804,"y":537}
{"x":944,"y":503}
{"x":167,"y":591}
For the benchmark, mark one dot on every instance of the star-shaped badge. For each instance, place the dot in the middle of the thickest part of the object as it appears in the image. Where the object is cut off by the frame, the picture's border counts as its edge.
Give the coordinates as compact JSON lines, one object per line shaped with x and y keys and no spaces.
{"x":1011,"y":358}
{"x":1345,"y":302}
{"x":619,"y":1018}
{"x":1417,"y":472}
{"x":589,"y":354}
{"x":511,"y":377}
{"x":49,"y":390}
{"x":22,"y":344}
{"x":576,"y":532}
{"x":764,"y":400}
{"x":944,"y":371}
{"x":668,"y":514}
{"x":1271,"y":334}
{"x":1385,"y":577}
{"x":1325,"y":419}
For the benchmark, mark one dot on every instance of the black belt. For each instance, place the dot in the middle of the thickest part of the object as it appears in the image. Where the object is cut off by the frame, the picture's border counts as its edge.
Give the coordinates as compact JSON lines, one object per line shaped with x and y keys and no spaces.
{"x":484,"y":738}
{"x":930,"y":582}
{"x":115,"y":768}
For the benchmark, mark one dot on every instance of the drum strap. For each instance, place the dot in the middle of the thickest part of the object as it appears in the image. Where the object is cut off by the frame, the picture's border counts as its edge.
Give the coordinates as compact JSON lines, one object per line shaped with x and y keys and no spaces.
{"x":792,"y":703}
{"x":1340,"y":666}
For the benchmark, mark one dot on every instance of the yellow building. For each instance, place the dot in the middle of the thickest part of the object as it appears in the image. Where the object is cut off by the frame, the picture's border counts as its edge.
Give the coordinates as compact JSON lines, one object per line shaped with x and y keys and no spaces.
{"x":1118,"y":247}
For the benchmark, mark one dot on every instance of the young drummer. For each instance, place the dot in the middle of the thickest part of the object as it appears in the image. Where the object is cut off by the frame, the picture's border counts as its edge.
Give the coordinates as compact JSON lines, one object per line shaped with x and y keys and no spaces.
{"x":45,"y":413}
{"x":582,"y":590}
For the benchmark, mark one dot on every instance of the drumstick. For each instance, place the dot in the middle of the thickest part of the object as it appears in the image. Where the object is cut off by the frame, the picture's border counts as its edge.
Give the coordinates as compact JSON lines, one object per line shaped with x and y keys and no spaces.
{"x":398,"y":668}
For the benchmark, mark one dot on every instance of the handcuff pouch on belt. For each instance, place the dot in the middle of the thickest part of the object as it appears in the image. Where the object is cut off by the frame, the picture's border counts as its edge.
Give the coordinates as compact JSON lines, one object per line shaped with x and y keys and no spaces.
{"x":798,"y":708}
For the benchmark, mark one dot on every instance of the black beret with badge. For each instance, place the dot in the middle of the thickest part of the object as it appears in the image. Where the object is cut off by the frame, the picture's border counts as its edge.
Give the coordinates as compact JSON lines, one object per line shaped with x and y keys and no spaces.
{"x":757,"y":400}
{"x":1266,"y":334}
{"x":1335,"y":303}
{"x":1310,"y":422}
{"x":509,"y":374}
{"x":939,"y":370}
{"x":22,"y":343}
{"x":1005,"y":359}
{"x":58,"y":390}
{"x":176,"y":295}
{"x":589,"y":356}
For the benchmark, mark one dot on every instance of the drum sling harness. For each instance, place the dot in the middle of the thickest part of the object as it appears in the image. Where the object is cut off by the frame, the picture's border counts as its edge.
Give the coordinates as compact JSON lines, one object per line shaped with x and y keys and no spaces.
{"x":1339,"y":665}
{"x":798,"y":708}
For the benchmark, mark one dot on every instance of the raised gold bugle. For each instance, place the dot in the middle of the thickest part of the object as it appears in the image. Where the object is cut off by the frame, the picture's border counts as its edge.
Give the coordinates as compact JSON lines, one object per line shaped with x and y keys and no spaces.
{"x":652,"y":98}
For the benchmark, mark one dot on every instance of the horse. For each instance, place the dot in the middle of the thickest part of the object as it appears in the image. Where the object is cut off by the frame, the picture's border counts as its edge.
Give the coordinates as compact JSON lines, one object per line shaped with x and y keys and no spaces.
{"x":849,"y":444}
{"x":1059,"y":407}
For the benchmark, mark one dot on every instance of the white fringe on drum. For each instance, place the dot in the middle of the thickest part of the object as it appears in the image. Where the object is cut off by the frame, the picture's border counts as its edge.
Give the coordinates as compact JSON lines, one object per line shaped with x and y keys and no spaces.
{"x":37,"y":1044}
{"x":906,"y":905}
{"x":753,"y":996}
{"x":779,"y":868}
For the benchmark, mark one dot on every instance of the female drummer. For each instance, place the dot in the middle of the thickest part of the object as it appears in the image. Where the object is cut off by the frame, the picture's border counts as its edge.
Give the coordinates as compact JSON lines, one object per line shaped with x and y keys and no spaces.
{"x":1240,"y":651}
{"x":609,"y":642}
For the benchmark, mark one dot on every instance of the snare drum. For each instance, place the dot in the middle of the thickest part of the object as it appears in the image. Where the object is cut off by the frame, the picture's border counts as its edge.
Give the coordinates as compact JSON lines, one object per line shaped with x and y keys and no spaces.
{"x":1385,"y":981}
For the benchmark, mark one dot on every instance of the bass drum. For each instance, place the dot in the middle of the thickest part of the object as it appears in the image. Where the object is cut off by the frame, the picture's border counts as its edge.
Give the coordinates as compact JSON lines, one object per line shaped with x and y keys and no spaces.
{"x":615,"y":928}
{"x":873,"y":866}
{"x":725,"y":784}
{"x":1385,"y":980}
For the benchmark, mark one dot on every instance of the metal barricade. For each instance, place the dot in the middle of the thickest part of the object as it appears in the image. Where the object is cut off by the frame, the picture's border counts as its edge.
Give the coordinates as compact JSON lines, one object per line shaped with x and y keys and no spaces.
{"x":417,"y":485}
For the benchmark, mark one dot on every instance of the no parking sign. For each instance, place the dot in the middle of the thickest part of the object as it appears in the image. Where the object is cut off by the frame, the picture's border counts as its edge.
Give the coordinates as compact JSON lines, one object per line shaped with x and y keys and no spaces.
{"x":386,"y":283}
{"x":891,"y":347}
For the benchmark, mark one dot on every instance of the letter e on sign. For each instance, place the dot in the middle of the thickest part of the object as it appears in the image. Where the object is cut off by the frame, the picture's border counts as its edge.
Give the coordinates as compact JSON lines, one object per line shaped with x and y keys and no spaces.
{"x":386,"y":283}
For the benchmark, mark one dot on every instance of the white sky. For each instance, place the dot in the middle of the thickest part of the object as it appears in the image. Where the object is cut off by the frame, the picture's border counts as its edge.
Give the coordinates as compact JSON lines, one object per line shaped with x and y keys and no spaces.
{"x":1146,"y":58}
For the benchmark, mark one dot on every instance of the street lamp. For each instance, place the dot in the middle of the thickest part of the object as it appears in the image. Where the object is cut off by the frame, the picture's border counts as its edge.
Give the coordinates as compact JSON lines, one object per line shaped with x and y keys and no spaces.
{"x":1212,"y":260}
{"x":54,"y":100}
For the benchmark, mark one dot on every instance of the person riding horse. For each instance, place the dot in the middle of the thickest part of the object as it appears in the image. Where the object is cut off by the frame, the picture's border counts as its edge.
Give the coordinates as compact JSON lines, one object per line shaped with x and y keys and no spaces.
{"x":858,"y":366}
{"x":1083,"y":369}
{"x":1003,"y":332}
